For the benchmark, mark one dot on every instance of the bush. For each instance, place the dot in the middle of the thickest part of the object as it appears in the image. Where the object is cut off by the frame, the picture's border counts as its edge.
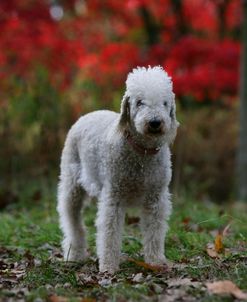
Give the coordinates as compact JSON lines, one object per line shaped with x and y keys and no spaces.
{"x":33,"y":122}
{"x":204,"y":152}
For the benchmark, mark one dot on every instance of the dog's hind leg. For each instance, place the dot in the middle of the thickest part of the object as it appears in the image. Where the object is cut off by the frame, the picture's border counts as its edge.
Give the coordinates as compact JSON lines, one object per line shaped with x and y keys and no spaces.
{"x":70,"y":199}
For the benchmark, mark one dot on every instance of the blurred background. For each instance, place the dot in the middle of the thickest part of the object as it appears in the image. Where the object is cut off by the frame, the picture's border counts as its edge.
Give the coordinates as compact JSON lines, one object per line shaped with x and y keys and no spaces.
{"x":61,"y":59}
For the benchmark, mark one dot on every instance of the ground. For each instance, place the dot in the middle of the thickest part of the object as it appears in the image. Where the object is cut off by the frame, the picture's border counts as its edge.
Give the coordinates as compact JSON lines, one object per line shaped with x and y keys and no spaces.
{"x":206,"y":243}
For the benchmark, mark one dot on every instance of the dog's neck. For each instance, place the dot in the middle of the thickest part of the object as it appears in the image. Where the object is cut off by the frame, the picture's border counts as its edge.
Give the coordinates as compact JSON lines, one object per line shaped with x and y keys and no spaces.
{"x":138,"y":147}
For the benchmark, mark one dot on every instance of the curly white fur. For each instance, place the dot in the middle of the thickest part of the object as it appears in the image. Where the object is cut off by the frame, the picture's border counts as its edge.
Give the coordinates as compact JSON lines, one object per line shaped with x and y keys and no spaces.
{"x":99,"y":161}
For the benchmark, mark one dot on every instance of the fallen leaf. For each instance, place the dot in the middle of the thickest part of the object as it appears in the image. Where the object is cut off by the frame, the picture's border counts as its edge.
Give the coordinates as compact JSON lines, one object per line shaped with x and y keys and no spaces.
{"x":179,"y":266}
{"x":55,"y":298}
{"x":226,"y":230}
{"x":154,"y":268}
{"x":3,"y":266}
{"x":217,"y":248}
{"x":189,"y":226}
{"x":105,"y":282}
{"x":156,"y":288}
{"x":218,"y":244}
{"x":174,"y":294}
{"x":214,"y":233}
{"x":67,"y":285}
{"x":213,"y":250}
{"x":17,"y":293}
{"x":46,"y":246}
{"x":138,"y":278}
{"x":178,"y":282}
{"x":85,"y":279}
{"x":210,"y":249}
{"x":48,"y":287}
{"x":186,"y":220}
{"x":226,"y":287}
{"x":212,"y":253}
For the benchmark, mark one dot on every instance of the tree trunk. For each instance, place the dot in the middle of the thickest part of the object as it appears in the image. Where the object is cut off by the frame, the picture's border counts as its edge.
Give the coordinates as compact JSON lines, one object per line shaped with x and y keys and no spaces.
{"x":151,"y":27}
{"x":242,"y":151}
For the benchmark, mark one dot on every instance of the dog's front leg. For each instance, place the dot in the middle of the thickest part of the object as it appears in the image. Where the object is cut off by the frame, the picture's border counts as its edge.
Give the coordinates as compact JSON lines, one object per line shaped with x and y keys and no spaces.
{"x":110,"y":220}
{"x":154,"y":227}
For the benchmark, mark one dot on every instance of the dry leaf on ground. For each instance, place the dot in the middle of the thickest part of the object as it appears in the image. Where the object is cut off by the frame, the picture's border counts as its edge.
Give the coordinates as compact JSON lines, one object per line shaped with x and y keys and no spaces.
{"x":55,"y":298}
{"x":210,"y":249}
{"x":226,"y":229}
{"x":176,"y":294}
{"x":105,"y":282}
{"x":154,"y":268}
{"x":213,"y":250}
{"x":177,"y":282}
{"x":226,"y":287}
{"x":218,"y":244}
{"x":138,"y":278}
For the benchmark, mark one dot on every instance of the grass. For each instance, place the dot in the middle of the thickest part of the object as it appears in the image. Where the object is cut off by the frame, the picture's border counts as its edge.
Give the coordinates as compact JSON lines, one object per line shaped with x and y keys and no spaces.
{"x":31,"y":266}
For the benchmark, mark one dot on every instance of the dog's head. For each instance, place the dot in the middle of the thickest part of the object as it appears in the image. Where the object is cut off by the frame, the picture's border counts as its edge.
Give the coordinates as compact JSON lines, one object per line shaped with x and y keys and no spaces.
{"x":148,"y":106}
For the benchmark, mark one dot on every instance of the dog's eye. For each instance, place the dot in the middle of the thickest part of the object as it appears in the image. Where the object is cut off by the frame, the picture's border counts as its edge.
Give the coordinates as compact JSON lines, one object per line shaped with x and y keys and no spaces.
{"x":165,"y":103}
{"x":139,"y":103}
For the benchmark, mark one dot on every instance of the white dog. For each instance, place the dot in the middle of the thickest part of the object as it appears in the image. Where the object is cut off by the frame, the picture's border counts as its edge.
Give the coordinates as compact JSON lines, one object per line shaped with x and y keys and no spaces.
{"x":123,"y":160}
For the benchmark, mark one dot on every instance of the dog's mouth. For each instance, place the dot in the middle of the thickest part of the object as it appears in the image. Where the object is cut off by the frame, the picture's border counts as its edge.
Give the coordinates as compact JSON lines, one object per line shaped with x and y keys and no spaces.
{"x":155,"y":131}
{"x":150,"y":131}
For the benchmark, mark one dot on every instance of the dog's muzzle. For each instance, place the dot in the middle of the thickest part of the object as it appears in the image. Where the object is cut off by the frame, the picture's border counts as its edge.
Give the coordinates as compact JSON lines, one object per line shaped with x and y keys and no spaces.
{"x":155,"y":126}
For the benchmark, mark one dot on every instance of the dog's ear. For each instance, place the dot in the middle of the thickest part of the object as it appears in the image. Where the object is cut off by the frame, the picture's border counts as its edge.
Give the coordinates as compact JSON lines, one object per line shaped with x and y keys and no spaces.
{"x":175,"y":123}
{"x":173,"y":116}
{"x":125,"y":112}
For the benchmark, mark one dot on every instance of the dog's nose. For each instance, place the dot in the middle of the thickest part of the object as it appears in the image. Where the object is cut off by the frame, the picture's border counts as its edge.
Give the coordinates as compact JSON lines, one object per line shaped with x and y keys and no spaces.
{"x":155,"y":124}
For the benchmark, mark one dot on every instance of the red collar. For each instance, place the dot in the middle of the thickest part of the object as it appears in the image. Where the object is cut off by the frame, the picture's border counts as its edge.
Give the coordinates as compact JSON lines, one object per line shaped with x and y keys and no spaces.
{"x":138,"y":148}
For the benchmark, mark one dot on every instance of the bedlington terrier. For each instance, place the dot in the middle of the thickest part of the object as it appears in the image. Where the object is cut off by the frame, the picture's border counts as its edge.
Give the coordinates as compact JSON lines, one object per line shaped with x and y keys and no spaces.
{"x":123,"y":160}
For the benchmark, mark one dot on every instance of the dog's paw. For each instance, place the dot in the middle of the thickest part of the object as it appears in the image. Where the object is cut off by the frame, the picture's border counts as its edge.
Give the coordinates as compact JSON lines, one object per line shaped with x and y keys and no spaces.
{"x":75,"y":255}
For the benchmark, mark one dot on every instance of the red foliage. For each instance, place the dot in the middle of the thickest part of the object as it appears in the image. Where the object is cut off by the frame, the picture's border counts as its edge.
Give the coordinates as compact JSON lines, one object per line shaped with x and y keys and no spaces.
{"x":106,"y":39}
{"x":31,"y":38}
{"x":204,"y":69}
{"x":201,"y":14}
{"x":110,"y":65}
